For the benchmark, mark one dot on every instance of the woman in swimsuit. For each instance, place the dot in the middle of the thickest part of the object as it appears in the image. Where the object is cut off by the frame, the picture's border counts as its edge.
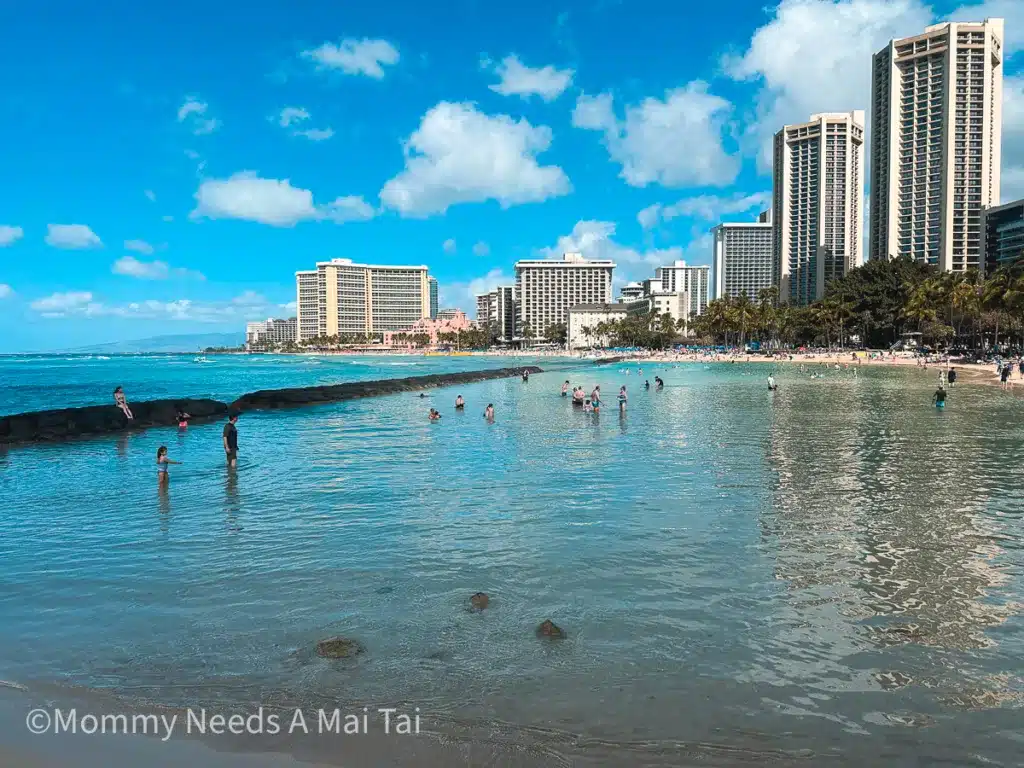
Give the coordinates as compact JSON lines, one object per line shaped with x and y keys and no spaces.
{"x":622,"y":398}
{"x":162,"y":463}
{"x":122,"y":402}
{"x":183,"y":419}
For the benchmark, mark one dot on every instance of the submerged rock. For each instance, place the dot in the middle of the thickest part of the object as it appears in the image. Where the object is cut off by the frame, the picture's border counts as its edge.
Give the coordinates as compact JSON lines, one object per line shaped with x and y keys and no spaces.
{"x":338,"y":648}
{"x":480,"y":600}
{"x":548,"y":628}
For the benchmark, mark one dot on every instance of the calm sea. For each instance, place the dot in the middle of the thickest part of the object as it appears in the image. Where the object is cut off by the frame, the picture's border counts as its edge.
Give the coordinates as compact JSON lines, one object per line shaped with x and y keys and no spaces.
{"x":832,"y":574}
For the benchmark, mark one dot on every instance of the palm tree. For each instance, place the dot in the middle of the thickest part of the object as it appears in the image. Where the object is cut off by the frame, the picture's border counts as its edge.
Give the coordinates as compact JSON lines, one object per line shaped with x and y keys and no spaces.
{"x":743,"y":312}
{"x":993,"y":297}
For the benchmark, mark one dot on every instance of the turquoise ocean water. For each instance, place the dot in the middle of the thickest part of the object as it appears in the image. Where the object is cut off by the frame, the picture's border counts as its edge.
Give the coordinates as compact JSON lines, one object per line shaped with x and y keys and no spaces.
{"x":832,"y":574}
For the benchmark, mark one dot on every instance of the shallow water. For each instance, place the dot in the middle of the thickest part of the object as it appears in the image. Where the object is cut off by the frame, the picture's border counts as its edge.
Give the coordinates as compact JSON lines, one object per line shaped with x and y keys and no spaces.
{"x":830,"y":573}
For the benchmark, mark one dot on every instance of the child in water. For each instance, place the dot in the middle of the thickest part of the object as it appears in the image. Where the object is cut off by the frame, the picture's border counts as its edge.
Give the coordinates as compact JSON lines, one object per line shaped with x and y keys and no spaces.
{"x":162,"y":463}
{"x":587,"y":407}
{"x":434,"y":415}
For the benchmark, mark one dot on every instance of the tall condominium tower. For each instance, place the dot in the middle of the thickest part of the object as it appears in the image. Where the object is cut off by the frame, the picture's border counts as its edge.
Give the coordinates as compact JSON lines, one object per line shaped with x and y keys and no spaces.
{"x":497,"y":311}
{"x":935,"y":146}
{"x":432,"y":284}
{"x":679,"y":278}
{"x":341,"y":298}
{"x":742,"y":262}
{"x":818,"y":186}
{"x":547,"y":289}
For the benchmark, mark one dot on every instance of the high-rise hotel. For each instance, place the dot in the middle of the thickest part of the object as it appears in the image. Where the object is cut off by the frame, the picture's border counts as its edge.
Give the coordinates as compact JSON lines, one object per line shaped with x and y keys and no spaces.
{"x":935,"y":143}
{"x":341,"y":298}
{"x":817,"y":190}
{"x":546,"y":289}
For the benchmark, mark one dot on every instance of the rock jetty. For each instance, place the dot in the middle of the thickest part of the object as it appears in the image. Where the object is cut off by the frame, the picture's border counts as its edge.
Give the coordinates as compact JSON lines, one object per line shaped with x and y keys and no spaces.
{"x":288,"y":398}
{"x":42,"y":426}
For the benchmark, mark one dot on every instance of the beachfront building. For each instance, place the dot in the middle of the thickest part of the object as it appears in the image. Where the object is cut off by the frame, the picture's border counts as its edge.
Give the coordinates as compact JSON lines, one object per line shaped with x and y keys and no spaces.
{"x":546,"y":289}
{"x":584,"y":320}
{"x":633,"y":291}
{"x":680,"y":278}
{"x":271,"y":332}
{"x":342,"y":298}
{"x":432,"y":285}
{"x":486,"y":309}
{"x":447,"y":321}
{"x":742,"y":259}
{"x":672,"y":303}
{"x":1002,"y":241}
{"x":817,"y":192}
{"x":936,"y":128}
{"x":497,"y":310}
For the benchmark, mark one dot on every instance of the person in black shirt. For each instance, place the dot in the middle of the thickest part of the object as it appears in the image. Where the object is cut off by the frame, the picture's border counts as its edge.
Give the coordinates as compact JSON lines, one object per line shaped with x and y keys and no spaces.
{"x":951,"y":377}
{"x":231,"y":440}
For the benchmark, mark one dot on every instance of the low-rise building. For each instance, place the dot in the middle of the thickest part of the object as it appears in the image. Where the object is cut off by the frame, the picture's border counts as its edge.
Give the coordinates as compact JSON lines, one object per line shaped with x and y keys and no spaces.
{"x":271,"y":332}
{"x":448,"y":321}
{"x":1002,"y":235}
{"x":584,"y":321}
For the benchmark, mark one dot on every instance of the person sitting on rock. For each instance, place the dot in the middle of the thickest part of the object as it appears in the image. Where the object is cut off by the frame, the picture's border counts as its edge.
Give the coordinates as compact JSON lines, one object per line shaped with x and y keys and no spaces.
{"x":122,"y":402}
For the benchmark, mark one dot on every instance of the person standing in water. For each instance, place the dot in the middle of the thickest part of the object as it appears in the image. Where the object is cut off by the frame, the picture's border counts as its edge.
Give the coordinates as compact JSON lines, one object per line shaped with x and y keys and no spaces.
{"x":622,"y":398}
{"x":230,"y":440}
{"x":595,"y":399}
{"x":939,"y":398}
{"x":647,"y":384}
{"x":162,"y":462}
{"x":489,"y":413}
{"x":951,"y":376}
{"x":772,"y":386}
{"x":565,"y":388}
{"x":459,"y":403}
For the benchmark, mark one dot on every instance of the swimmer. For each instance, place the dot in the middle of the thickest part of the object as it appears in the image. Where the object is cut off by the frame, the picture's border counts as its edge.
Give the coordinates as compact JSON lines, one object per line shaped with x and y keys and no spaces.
{"x":565,"y":388}
{"x":489,"y":412}
{"x":459,"y":403}
{"x":162,"y":463}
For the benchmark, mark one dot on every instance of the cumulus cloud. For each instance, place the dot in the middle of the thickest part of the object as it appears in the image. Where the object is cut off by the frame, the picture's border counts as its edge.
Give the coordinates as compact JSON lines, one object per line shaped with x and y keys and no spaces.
{"x":839,"y":38}
{"x":355,"y":57}
{"x":517,"y":79}
{"x":9,"y":234}
{"x":6,"y":291}
{"x":449,"y":245}
{"x":139,"y":246}
{"x":150,"y":270}
{"x":83,"y":305}
{"x":463,"y":294}
{"x":481,"y":249}
{"x":295,"y":118}
{"x":193,"y":113}
{"x":247,"y":196}
{"x":595,"y":240}
{"x":705,"y":207}
{"x":675,"y":141}
{"x":71,"y":236}
{"x":461,"y":155}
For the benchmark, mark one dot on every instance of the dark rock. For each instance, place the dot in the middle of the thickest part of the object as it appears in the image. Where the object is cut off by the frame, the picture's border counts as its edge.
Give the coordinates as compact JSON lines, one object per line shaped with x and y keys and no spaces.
{"x":288,"y":398}
{"x":480,"y":600}
{"x":548,"y":628}
{"x":338,"y":648}
{"x":608,"y":360}
{"x":63,"y":423}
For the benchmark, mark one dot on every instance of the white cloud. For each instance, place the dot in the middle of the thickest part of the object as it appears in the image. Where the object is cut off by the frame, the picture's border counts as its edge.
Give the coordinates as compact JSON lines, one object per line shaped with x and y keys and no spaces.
{"x":139,"y":246}
{"x":517,"y":79}
{"x":676,"y":141}
{"x":150,"y":195}
{"x":815,"y":56}
{"x":594,"y":239}
{"x":6,"y":291}
{"x":288,"y":308}
{"x":449,"y":245}
{"x":9,"y":234}
{"x":463,"y":295}
{"x":705,"y":207}
{"x":82,"y":304}
{"x":71,"y":236}
{"x":1011,"y":11}
{"x":481,"y":249}
{"x":193,"y":112}
{"x":461,"y":155}
{"x":151,"y":270}
{"x":315,"y":134}
{"x":290,"y":115}
{"x":276,"y":202}
{"x":167,"y":219}
{"x":355,"y":57}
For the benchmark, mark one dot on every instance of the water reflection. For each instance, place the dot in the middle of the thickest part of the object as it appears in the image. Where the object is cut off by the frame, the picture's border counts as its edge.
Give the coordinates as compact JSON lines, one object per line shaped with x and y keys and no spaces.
{"x":232,"y":500}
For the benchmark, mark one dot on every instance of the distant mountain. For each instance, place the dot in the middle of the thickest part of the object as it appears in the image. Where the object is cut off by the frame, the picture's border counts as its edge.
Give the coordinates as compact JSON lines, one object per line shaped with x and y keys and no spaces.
{"x":188,"y":342}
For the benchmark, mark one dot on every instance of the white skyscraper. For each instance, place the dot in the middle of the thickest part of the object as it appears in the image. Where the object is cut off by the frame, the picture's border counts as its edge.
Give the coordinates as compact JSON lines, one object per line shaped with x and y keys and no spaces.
{"x":742,"y":262}
{"x":547,"y":289}
{"x":679,"y":278}
{"x":935,"y":145}
{"x":817,"y":191}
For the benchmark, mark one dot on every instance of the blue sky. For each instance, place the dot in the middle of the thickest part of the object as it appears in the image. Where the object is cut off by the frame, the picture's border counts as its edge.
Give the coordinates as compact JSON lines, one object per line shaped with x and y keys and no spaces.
{"x":167,"y":169}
